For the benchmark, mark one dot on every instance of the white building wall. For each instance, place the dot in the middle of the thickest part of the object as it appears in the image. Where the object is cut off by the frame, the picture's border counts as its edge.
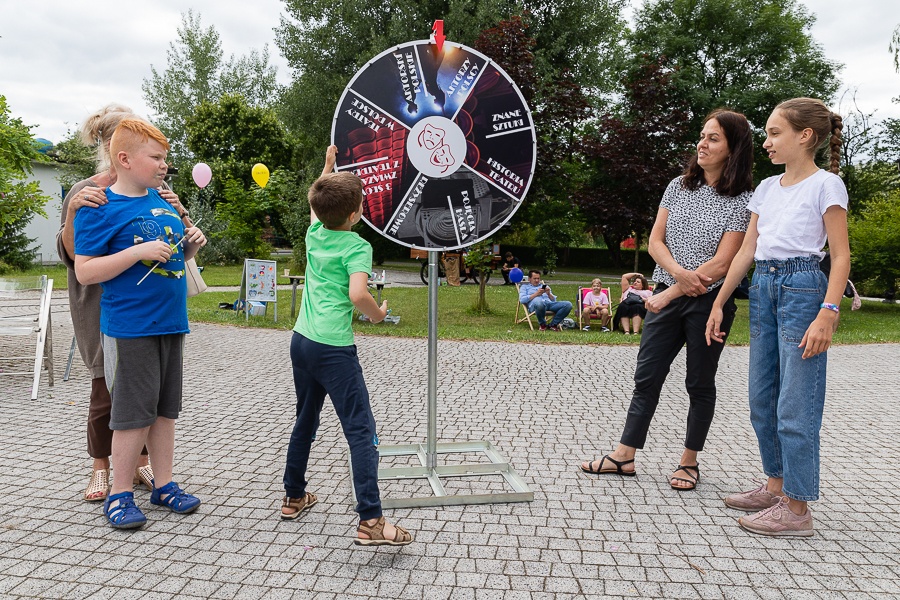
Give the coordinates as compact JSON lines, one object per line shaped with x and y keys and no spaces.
{"x":43,"y":229}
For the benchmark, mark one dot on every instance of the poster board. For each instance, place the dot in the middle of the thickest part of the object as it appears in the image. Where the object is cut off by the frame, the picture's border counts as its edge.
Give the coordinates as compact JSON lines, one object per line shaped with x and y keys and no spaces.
{"x":258,"y":285}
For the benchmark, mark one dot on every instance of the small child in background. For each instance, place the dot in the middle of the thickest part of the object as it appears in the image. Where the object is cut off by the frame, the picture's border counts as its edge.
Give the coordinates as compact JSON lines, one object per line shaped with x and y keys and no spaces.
{"x":143,"y":326}
{"x":595,"y":302}
{"x":794,"y":311}
{"x":323,"y":353}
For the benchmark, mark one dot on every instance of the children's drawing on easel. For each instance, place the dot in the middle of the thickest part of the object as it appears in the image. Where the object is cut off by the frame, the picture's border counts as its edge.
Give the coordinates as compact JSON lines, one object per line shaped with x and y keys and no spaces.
{"x":258,"y":282}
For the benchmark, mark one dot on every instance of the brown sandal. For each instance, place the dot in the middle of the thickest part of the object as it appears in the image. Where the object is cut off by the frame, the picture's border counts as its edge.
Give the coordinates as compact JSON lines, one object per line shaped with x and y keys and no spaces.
{"x":298,"y":504}
{"x":144,"y":475}
{"x":376,"y":535}
{"x":98,"y":488}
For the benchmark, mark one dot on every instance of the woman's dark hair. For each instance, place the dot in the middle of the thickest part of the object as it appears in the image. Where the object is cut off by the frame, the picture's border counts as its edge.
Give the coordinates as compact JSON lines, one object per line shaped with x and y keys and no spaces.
{"x":737,"y":175}
{"x":645,"y":285}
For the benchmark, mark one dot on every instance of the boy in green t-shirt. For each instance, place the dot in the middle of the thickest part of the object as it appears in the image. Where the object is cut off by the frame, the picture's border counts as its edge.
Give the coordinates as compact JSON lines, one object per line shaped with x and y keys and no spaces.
{"x":323,"y":354}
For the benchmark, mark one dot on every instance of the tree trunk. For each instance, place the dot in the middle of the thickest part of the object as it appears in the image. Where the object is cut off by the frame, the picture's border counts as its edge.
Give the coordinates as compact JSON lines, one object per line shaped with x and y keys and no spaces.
{"x":637,"y":253}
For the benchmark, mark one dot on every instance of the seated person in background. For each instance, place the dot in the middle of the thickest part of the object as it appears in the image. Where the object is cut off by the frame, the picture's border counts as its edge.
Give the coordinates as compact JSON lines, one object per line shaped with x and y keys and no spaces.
{"x":595,"y":303}
{"x":538,"y":298}
{"x":510,"y":262}
{"x":635,"y":291}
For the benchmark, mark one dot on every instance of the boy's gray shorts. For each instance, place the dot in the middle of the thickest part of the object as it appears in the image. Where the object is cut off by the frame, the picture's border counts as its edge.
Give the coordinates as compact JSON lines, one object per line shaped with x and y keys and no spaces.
{"x":144,"y":378}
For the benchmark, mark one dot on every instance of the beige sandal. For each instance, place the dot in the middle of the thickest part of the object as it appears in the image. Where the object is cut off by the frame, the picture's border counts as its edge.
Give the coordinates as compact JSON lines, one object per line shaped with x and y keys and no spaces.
{"x":98,"y":488}
{"x":376,"y":535}
{"x":298,"y":504}
{"x":144,"y":475}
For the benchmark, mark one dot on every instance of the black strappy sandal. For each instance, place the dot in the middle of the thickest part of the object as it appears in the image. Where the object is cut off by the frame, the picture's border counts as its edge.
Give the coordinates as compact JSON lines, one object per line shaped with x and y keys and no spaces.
{"x":693,"y":480}
{"x":617,"y":471}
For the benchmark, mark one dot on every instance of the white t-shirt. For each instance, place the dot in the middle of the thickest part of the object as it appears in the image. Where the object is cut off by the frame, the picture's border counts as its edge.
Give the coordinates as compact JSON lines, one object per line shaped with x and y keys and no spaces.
{"x":591,"y":300}
{"x":790,"y":218}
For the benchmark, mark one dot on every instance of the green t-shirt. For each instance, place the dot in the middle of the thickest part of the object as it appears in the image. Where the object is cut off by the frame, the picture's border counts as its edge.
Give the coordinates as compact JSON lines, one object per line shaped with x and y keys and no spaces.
{"x":326,"y":312}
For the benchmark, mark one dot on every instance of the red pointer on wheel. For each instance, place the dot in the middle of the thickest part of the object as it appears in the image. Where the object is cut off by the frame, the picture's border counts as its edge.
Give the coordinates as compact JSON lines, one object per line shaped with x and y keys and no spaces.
{"x":438,"y":29}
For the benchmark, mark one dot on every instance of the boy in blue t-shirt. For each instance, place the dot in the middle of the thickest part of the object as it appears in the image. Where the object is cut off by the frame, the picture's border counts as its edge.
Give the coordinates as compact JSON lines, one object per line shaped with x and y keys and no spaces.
{"x":143,"y":322}
{"x":323,"y":354}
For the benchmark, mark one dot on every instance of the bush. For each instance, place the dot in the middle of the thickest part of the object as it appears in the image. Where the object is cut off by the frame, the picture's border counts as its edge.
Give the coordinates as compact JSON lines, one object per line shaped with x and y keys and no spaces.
{"x":875,"y":245}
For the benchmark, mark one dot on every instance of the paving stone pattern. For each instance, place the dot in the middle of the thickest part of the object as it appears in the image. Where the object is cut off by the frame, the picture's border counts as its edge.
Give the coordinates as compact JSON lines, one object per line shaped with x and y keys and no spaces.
{"x":582,"y":537}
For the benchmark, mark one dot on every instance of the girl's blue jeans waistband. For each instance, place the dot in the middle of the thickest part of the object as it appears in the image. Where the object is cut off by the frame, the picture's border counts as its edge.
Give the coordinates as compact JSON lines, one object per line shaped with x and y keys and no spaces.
{"x":796,"y":264}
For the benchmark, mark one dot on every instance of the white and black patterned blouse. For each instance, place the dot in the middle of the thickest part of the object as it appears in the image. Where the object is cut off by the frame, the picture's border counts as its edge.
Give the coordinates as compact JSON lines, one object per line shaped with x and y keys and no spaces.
{"x":697,"y":220}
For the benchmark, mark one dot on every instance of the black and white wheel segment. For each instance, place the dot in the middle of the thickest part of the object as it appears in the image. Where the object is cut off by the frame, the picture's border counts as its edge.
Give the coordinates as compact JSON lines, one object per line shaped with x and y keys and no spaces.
{"x":443,"y":142}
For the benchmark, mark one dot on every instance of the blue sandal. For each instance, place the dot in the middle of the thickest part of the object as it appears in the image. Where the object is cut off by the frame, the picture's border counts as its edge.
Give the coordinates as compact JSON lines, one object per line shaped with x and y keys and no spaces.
{"x":176,"y":499}
{"x":125,"y":514}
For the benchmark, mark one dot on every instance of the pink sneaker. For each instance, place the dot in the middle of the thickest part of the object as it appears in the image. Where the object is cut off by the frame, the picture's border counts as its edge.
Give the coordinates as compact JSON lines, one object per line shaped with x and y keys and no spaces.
{"x":778,"y":520}
{"x":754,"y":500}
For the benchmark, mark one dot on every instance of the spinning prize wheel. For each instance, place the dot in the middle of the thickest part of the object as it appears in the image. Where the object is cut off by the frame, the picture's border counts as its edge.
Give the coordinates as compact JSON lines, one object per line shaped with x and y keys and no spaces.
{"x":442,"y":140}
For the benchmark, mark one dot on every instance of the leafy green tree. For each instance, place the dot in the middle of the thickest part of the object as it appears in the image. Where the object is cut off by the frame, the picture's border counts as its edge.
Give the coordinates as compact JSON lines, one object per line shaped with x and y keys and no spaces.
{"x":77,"y":161}
{"x":479,"y":258}
{"x":231,"y":136}
{"x":875,"y":240}
{"x":746,"y":55}
{"x":195,"y":73}
{"x":19,"y":201}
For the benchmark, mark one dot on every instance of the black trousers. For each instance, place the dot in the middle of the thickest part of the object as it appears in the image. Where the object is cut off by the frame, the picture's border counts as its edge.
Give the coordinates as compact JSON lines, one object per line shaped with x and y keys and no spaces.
{"x":683,"y":322}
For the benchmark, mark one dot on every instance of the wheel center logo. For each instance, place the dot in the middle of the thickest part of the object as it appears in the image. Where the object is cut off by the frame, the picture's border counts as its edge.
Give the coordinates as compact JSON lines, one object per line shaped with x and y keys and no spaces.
{"x":436,"y":146}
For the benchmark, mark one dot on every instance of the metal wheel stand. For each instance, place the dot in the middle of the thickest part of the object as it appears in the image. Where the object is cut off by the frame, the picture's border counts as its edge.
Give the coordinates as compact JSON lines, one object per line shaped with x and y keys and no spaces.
{"x":427,"y":453}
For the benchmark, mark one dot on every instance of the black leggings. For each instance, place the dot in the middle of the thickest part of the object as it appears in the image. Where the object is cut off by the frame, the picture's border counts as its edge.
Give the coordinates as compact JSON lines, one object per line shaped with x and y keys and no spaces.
{"x":681,"y":322}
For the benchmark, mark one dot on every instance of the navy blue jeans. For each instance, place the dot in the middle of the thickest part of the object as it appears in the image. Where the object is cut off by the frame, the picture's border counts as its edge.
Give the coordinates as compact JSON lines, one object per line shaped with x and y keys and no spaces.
{"x":320,"y":369}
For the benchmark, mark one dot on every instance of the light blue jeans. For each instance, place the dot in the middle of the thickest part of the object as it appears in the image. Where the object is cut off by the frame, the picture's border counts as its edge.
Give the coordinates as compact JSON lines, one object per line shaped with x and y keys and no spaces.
{"x":787,"y":393}
{"x":560,"y":308}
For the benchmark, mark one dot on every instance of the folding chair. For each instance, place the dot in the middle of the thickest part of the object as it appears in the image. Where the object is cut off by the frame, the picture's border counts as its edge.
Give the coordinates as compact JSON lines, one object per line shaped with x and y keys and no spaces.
{"x":579,"y":306}
{"x":526,"y":314}
{"x":25,"y":310}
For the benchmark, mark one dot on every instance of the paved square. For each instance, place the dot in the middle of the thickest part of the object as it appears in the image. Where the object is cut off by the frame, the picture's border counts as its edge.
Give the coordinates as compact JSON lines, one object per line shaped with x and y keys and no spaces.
{"x":582,"y":537}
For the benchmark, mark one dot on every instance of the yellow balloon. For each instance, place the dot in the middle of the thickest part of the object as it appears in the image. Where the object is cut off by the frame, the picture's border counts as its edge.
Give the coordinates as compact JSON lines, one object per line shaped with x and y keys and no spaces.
{"x":260,"y":174}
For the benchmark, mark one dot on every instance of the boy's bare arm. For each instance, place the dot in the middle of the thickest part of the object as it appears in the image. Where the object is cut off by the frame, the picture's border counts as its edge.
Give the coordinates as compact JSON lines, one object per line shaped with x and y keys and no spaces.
{"x":363,"y":300}
{"x":97,"y":269}
{"x":330,"y":159}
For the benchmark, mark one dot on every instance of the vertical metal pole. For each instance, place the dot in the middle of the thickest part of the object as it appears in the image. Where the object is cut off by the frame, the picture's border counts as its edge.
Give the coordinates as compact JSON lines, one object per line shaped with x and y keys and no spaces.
{"x":431,"y":438}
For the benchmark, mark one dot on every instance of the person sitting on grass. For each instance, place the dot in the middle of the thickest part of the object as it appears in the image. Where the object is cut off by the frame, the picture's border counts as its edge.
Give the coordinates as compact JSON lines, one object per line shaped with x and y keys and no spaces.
{"x":595,"y":303}
{"x":510,"y":262}
{"x":143,"y":315}
{"x":538,"y":298}
{"x":323,"y":353}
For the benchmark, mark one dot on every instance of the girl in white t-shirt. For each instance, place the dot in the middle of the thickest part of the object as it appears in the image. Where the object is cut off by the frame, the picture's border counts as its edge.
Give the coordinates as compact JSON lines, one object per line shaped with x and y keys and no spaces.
{"x":793,"y":311}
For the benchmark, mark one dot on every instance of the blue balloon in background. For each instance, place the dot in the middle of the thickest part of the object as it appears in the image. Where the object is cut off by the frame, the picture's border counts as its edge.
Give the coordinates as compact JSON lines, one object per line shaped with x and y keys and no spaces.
{"x":516,"y":275}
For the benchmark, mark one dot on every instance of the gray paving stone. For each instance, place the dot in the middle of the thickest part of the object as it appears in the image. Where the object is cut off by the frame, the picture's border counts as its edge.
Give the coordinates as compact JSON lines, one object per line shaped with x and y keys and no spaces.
{"x":582,"y":537}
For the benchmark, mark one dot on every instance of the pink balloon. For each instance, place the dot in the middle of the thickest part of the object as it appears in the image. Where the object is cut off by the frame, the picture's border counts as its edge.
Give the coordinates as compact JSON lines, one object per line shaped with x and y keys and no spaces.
{"x":202,"y":175}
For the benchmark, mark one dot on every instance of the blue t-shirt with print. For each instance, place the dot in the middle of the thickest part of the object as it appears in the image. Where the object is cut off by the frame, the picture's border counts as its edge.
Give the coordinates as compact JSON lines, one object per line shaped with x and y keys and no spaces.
{"x":158,"y":306}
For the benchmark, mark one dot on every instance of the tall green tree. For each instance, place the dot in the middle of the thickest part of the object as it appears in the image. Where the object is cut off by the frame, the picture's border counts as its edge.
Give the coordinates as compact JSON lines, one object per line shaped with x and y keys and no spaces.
{"x":195,"y":73}
{"x":747,"y":55}
{"x":19,"y":201}
{"x":231,"y":136}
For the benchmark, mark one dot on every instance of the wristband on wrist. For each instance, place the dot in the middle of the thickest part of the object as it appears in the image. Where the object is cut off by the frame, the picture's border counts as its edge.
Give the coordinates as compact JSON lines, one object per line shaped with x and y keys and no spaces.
{"x":833,"y":307}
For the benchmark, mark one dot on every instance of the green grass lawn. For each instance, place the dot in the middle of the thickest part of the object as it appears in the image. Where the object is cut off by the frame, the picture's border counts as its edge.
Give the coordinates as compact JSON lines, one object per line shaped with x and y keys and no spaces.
{"x":874,"y":323}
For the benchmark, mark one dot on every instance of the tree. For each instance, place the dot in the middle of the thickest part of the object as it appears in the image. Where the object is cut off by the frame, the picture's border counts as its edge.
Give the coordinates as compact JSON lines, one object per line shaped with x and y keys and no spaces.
{"x":634,"y":154}
{"x":77,"y":161}
{"x":479,"y":259}
{"x":195,"y":74}
{"x":746,"y":55}
{"x":19,"y":201}
{"x":231,"y":136}
{"x":875,"y":239}
{"x":894,"y":47}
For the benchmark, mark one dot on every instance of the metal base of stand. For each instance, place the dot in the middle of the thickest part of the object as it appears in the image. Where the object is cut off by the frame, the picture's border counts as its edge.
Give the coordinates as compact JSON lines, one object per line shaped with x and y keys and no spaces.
{"x":497,"y":466}
{"x":427,"y":452}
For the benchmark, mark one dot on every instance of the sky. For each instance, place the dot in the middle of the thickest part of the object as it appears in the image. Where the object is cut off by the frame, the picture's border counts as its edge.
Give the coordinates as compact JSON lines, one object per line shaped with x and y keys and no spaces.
{"x":60,"y":60}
